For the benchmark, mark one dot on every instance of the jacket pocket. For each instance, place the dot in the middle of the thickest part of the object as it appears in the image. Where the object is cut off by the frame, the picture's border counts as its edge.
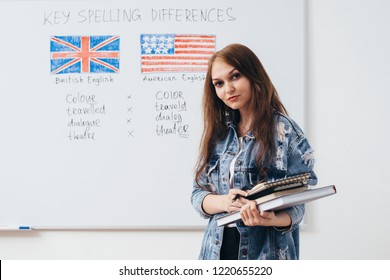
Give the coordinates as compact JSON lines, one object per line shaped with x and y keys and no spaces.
{"x":253,"y":176}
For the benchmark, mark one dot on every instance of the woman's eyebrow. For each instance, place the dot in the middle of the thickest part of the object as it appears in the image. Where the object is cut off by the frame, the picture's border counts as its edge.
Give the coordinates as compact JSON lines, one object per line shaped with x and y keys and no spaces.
{"x":229,"y":73}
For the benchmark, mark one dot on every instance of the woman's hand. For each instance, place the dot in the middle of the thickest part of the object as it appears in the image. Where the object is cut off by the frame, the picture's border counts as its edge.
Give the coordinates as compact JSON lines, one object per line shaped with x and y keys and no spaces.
{"x":233,"y":203}
{"x":251,"y":216}
{"x":214,"y":203}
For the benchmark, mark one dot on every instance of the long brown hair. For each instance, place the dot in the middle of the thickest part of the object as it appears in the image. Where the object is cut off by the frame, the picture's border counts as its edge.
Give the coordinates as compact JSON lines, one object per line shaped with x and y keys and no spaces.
{"x":216,"y":114}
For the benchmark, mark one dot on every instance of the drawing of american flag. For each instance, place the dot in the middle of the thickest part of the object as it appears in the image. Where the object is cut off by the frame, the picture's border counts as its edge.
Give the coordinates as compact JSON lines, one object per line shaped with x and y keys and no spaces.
{"x":84,"y":54}
{"x":175,"y":53}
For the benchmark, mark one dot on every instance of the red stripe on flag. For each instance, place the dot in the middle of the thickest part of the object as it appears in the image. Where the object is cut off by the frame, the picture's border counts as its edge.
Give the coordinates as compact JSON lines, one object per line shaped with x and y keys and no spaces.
{"x":193,"y":52}
{"x":167,"y":69}
{"x":173,"y":63}
{"x":171,"y":57}
{"x":194,"y":46}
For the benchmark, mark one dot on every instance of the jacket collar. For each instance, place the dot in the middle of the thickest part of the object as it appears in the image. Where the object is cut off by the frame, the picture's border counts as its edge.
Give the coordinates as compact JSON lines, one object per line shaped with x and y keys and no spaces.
{"x":231,"y":125}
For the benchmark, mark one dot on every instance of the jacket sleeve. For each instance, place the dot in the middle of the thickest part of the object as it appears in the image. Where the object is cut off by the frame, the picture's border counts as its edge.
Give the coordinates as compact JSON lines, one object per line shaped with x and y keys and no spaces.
{"x":199,"y":192}
{"x":300,"y":159}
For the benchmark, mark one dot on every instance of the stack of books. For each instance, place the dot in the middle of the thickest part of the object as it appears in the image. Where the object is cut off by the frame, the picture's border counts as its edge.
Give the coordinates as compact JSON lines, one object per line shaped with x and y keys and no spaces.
{"x":281,"y":194}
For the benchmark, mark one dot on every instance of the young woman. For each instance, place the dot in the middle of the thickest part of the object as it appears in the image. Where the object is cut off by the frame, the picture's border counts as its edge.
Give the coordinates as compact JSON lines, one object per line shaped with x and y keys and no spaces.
{"x":247,"y":138}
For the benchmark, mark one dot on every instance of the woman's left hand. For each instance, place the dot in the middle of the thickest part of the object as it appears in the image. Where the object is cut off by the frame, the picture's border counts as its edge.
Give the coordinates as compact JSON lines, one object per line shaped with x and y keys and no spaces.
{"x":251,"y":216}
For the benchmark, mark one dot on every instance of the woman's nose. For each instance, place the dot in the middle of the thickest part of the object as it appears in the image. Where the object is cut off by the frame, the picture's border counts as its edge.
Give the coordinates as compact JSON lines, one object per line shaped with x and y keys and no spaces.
{"x":229,"y":87}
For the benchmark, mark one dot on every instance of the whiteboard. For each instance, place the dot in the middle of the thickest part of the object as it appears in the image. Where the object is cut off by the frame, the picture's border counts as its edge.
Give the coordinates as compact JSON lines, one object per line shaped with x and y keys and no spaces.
{"x":111,"y":140}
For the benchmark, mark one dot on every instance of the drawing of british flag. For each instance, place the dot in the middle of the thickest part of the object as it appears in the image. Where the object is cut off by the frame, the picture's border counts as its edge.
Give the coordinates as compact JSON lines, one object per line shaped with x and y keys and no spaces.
{"x":84,"y":54}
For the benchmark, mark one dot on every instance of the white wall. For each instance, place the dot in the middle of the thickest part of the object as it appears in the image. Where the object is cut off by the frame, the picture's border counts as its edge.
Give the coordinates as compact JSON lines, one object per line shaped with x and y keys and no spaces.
{"x":348,"y":87}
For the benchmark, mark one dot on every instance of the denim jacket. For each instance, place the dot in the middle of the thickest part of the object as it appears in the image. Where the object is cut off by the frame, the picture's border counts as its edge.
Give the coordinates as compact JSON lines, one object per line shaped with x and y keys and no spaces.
{"x":293,"y":156}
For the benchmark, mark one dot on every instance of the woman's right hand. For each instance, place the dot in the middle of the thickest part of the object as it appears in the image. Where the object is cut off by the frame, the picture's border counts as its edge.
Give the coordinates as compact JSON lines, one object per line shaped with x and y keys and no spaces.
{"x":233,"y":203}
{"x":214,"y":203}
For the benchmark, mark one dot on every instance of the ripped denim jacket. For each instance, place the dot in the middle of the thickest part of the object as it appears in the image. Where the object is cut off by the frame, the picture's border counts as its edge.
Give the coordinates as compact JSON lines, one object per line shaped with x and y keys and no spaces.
{"x":293,"y":156}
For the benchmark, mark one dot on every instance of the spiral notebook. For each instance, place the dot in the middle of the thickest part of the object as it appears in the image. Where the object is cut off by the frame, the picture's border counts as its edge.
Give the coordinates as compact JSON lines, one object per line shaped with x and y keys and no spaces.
{"x":266,"y":188}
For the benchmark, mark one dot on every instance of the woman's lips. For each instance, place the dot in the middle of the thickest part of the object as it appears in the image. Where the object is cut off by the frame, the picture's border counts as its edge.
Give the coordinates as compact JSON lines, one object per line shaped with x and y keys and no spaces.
{"x":233,"y":98}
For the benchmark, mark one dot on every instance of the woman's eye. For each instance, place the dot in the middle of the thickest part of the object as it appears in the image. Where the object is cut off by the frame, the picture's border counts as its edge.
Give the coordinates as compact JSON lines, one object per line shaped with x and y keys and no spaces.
{"x":218,"y":84}
{"x":235,"y":76}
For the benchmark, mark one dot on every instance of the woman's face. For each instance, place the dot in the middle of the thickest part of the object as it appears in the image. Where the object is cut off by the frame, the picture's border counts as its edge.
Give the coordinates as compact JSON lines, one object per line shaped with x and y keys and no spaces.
{"x":233,"y":88}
